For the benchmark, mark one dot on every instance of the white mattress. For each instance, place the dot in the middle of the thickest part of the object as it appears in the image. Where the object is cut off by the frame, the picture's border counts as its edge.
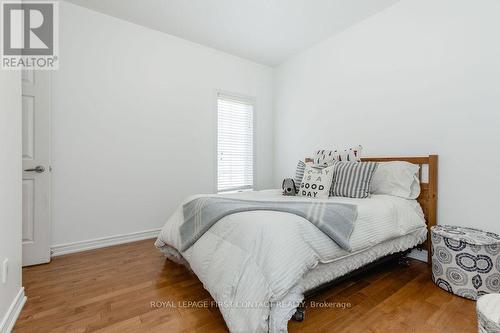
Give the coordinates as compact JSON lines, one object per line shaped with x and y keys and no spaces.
{"x":330,"y":271}
{"x":272,"y":256}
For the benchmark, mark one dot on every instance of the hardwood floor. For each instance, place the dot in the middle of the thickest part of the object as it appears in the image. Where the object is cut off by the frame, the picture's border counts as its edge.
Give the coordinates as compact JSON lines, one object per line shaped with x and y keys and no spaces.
{"x":111,"y":290}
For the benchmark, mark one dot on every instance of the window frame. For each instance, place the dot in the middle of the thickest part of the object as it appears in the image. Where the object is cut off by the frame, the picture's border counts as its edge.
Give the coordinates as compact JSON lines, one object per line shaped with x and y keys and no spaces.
{"x":253,"y":101}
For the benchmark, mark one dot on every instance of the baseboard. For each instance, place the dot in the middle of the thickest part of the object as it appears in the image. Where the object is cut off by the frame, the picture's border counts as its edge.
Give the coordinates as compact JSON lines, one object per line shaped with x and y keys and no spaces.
{"x":92,"y":244}
{"x":13,"y":312}
{"x":418,"y":255}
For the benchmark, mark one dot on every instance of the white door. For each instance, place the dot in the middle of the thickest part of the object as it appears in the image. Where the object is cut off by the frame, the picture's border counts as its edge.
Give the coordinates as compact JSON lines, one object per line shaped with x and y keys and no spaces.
{"x":36,"y":167}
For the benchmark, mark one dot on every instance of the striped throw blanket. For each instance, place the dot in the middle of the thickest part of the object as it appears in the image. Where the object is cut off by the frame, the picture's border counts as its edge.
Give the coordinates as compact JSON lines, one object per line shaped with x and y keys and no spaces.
{"x":334,"y":219}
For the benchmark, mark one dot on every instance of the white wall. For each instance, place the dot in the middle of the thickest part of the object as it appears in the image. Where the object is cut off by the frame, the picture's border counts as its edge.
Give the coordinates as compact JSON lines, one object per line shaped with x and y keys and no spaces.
{"x":10,"y":186}
{"x":134,"y":126}
{"x":420,"y":77}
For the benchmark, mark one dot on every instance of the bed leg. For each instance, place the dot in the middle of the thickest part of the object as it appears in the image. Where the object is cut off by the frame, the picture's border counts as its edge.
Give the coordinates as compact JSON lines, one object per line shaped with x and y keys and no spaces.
{"x":404,"y":261}
{"x":299,"y":314}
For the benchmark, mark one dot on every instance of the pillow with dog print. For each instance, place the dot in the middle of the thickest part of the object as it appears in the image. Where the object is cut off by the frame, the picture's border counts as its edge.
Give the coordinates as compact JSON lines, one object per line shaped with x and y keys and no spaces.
{"x":316,"y":182}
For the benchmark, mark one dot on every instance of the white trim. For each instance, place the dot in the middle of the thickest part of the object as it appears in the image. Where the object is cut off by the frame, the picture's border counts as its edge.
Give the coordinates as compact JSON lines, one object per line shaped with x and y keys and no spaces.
{"x":13,"y":312}
{"x":97,"y":243}
{"x":418,"y":255}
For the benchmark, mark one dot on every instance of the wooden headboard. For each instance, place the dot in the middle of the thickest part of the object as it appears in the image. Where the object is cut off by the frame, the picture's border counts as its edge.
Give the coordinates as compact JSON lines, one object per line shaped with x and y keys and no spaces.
{"x":428,"y":189}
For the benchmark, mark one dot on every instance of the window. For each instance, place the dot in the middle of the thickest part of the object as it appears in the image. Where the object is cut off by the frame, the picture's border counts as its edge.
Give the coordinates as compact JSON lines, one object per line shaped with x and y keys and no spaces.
{"x":235,"y":146}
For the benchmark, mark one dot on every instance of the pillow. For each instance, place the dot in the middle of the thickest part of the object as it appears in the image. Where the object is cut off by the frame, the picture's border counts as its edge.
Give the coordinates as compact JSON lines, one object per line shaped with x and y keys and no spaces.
{"x":397,"y":178}
{"x":328,"y":157}
{"x":299,"y":174}
{"x":316,"y":182}
{"x":352,"y":180}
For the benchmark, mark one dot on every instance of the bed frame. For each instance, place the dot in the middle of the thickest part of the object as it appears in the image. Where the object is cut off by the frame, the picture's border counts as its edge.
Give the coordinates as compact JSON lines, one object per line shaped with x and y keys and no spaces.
{"x":428,"y":201}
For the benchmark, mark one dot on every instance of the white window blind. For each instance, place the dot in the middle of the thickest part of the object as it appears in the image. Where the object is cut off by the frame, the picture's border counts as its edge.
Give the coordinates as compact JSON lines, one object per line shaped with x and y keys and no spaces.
{"x":235,"y":147}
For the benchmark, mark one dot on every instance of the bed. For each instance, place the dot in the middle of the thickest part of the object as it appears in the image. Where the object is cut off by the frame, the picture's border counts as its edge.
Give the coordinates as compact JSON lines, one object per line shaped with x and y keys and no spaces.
{"x":259,"y":265}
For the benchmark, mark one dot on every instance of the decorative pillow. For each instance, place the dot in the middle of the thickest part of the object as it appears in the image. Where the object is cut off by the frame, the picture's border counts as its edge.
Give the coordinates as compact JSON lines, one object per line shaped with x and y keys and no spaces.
{"x":396,"y":178}
{"x":299,"y":174}
{"x":352,"y":180}
{"x":328,"y":157}
{"x":316,"y":182}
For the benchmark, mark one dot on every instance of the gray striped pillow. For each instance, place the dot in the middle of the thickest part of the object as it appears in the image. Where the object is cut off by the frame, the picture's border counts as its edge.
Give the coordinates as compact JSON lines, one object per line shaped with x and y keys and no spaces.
{"x":299,"y":174}
{"x":352,"y":179}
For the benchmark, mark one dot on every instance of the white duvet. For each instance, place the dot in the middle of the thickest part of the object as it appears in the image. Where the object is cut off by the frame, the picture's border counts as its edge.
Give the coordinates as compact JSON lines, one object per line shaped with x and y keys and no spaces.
{"x":253,"y":263}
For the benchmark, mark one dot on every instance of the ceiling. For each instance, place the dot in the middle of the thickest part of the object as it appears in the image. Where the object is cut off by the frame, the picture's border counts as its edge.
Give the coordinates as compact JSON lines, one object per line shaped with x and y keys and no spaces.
{"x":265,"y":31}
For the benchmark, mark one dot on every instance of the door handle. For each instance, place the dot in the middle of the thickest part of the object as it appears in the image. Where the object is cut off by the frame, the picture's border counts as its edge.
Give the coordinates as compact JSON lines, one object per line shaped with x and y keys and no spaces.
{"x":38,"y":169}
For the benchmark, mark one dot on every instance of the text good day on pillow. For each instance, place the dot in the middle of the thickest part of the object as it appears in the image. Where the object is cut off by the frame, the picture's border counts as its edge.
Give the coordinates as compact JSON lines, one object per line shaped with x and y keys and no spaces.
{"x":316,"y":182}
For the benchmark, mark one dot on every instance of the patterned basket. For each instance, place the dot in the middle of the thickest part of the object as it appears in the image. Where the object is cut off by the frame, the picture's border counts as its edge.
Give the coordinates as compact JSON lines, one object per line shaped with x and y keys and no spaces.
{"x":488,"y":313}
{"x":465,"y":261}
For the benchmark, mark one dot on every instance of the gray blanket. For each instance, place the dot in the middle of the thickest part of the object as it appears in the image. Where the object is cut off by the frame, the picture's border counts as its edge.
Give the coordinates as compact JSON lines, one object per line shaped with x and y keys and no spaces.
{"x":334,"y":219}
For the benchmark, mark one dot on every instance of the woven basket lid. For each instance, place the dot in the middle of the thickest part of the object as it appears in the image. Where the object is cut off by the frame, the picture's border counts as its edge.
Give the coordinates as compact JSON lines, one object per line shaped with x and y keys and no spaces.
{"x":467,"y":235}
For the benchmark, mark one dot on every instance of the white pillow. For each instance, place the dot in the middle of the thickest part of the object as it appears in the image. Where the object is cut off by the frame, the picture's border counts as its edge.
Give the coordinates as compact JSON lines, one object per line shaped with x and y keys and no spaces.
{"x":396,"y":178}
{"x":316,"y":182}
